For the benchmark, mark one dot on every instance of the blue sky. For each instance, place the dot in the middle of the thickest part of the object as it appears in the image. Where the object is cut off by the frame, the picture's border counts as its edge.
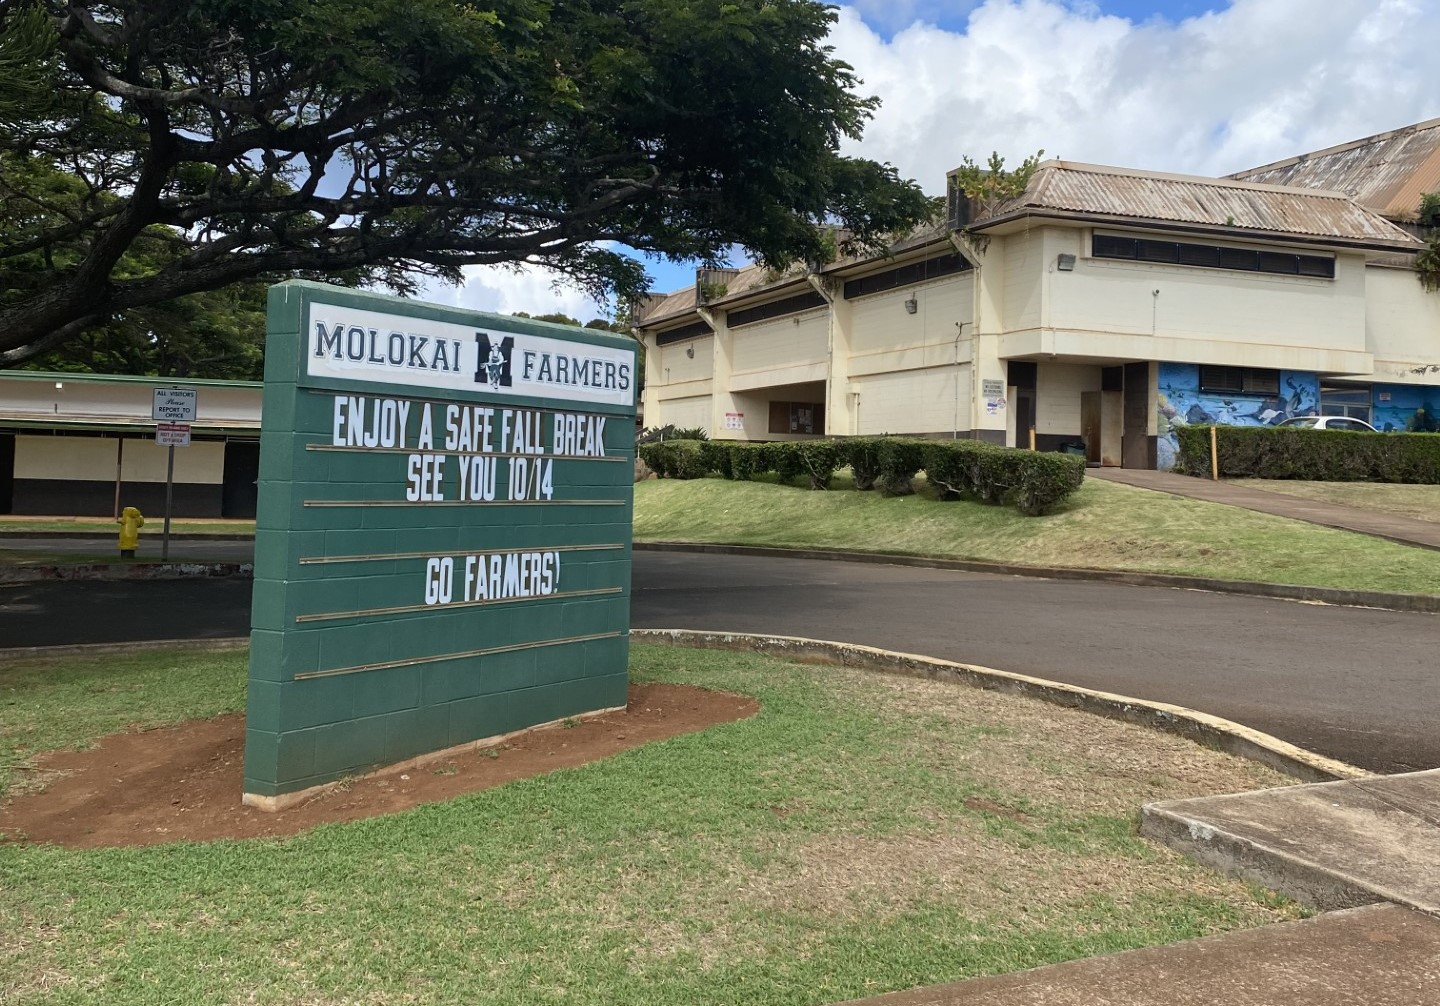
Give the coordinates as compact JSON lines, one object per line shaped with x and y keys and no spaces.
{"x":1193,"y":86}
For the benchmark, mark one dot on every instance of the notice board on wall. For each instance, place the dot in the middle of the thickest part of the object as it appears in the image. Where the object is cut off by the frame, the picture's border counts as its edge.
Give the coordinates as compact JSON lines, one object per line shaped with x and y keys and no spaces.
{"x":443,"y":535}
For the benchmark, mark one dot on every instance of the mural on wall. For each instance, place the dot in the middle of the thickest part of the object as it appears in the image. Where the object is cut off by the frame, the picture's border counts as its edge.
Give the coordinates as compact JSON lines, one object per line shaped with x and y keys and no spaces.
{"x":1406,"y":408}
{"x":1182,"y":403}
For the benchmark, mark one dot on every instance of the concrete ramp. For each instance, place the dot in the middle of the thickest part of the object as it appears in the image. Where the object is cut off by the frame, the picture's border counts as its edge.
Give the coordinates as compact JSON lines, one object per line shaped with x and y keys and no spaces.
{"x":1327,"y":845}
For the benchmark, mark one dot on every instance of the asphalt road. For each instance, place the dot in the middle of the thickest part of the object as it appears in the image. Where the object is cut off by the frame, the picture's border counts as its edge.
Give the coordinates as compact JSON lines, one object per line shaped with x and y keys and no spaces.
{"x":1356,"y":684}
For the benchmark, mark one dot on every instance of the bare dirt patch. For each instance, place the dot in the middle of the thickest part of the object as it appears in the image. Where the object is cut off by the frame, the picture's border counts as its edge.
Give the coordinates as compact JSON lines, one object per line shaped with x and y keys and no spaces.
{"x":183,"y":783}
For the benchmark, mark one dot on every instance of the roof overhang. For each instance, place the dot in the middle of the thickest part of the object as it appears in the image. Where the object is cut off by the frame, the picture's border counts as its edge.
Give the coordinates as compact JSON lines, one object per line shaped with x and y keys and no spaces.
{"x":1021,"y":219}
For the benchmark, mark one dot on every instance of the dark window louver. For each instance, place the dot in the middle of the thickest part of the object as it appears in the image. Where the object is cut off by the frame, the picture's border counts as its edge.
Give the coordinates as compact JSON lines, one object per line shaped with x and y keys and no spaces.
{"x":907,"y":275}
{"x":692,"y":331}
{"x":1111,"y":246}
{"x":775,"y":309}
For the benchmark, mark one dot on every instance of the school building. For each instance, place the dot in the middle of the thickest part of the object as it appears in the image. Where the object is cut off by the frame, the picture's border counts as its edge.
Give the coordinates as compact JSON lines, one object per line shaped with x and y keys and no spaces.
{"x":1104,"y":307}
{"x":84,"y":445}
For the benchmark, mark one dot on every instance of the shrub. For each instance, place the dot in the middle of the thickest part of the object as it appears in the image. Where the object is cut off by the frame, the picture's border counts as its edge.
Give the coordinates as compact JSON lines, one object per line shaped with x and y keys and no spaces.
{"x":900,"y":459}
{"x":1044,"y":480}
{"x":747,"y":460}
{"x":819,"y":458}
{"x":689,"y":433}
{"x":675,"y":459}
{"x":784,"y":459}
{"x":950,"y":466}
{"x":862,"y":454}
{"x":997,"y":474}
{"x":1271,"y":452}
{"x":1033,"y":482}
{"x":716,"y":456}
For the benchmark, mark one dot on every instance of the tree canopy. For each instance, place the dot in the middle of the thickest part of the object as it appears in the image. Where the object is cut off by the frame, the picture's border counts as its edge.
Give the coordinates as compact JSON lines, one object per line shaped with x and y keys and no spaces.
{"x":153,"y":149}
{"x":1427,"y":263}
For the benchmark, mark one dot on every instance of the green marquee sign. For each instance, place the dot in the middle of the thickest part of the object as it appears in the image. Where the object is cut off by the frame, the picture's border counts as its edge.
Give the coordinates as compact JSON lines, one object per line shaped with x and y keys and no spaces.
{"x":442,"y":547}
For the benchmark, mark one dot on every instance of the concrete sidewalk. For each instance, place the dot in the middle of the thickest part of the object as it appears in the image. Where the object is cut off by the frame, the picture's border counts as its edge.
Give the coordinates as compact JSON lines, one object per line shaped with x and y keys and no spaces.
{"x":1404,"y":530}
{"x":1383,"y":955}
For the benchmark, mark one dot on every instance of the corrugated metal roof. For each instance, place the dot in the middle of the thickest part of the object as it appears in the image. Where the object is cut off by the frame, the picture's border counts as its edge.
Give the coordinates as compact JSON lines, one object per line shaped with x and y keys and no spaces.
{"x":1387,"y":172}
{"x":754,"y":278}
{"x":1096,"y":190}
{"x":682,"y":303}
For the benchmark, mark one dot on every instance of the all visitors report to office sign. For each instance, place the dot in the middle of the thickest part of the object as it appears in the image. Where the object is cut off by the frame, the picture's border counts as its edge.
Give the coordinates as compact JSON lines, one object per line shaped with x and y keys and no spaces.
{"x":443,"y":533}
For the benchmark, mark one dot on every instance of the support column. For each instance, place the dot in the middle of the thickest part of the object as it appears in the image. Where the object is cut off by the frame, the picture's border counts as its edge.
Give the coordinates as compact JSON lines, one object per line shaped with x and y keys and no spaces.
{"x":842,"y":405}
{"x":722,"y":366}
{"x":650,"y":400}
{"x":989,"y":413}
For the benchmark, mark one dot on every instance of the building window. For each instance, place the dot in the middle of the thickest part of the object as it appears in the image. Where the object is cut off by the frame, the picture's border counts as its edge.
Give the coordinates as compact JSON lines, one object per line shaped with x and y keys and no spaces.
{"x":906,"y":275}
{"x":1345,"y":400}
{"x":1211,"y":256}
{"x":775,"y":309}
{"x":1240,"y":380}
{"x":797,"y":417}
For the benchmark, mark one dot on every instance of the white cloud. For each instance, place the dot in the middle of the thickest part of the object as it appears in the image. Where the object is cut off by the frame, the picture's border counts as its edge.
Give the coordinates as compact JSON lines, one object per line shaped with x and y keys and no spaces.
{"x":1226,"y":90}
{"x":531,"y":289}
{"x":1258,"y":81}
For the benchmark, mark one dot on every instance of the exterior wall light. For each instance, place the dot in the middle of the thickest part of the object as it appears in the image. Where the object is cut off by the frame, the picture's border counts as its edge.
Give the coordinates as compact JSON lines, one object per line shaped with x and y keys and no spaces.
{"x":1065,"y":262}
{"x":911,"y":306}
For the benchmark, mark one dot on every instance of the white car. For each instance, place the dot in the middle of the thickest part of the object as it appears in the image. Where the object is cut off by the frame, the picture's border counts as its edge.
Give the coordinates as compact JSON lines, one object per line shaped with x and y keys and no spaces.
{"x":1330,"y":423}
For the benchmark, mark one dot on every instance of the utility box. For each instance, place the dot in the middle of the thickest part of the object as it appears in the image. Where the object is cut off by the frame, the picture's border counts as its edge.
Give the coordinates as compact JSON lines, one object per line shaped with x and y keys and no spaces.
{"x":443,"y":536}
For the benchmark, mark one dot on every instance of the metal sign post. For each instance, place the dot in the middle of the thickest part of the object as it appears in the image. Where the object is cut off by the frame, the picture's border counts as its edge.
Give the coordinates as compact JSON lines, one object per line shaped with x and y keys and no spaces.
{"x":173,"y":410}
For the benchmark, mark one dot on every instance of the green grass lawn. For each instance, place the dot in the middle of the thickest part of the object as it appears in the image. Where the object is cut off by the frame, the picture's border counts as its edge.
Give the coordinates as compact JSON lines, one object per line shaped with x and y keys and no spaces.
{"x":104,"y":527}
{"x":862,"y":833}
{"x":27,"y":557}
{"x":1103,"y":526}
{"x":1419,"y":502}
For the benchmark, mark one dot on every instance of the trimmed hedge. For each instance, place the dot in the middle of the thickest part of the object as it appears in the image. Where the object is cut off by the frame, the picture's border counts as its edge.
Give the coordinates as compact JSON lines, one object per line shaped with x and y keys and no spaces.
{"x":675,"y":459}
{"x":862,"y":454}
{"x":1279,"y":452}
{"x":1033,"y":483}
{"x":901,"y":459}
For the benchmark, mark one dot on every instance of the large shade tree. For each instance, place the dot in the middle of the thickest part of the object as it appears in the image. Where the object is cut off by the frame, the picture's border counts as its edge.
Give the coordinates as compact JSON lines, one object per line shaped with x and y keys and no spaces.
{"x":152,"y":149}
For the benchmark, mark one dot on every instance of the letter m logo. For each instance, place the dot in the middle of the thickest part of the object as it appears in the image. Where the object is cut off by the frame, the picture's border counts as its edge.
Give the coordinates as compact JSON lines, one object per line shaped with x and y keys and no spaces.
{"x":493,"y":364}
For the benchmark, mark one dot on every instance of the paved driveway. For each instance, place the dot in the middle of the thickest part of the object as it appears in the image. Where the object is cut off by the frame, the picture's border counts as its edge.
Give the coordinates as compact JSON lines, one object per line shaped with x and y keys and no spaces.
{"x":1356,"y":684}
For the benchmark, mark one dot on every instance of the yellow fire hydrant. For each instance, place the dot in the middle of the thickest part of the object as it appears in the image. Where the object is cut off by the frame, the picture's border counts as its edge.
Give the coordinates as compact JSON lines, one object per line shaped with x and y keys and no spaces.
{"x":130,"y":521}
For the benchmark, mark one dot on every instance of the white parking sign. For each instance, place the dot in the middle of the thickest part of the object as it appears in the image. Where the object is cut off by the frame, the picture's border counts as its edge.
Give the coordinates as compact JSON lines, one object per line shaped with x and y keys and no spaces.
{"x":173,"y":405}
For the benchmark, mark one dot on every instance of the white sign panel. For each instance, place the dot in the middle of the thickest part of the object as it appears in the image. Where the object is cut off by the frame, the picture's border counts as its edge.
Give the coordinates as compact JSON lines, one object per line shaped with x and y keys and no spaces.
{"x":173,"y":405}
{"x":172,"y":435}
{"x":358,"y":345}
{"x":735,"y":420}
{"x":991,"y":388}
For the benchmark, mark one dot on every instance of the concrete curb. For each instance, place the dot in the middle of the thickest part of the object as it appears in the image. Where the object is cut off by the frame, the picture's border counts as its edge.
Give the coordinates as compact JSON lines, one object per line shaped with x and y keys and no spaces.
{"x":1325,"y":889}
{"x":1424,"y":603}
{"x":127,"y":571}
{"x":1211,"y":731}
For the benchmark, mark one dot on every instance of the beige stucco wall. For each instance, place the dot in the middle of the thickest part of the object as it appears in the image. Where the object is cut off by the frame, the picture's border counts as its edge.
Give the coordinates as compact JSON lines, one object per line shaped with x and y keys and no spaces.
{"x":1249,"y":316}
{"x":784,"y":343}
{"x":685,"y":361}
{"x":1058,"y":387}
{"x":93,"y":459}
{"x":1402,"y":327}
{"x":684,"y":412}
{"x":128,"y":401}
{"x":883,"y":336}
{"x":1019,"y":260}
{"x":914,"y":401}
